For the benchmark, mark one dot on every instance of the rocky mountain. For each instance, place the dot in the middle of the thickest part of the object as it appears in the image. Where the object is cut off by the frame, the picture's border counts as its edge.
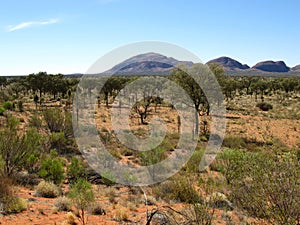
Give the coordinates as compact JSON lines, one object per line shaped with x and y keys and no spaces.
{"x":148,"y":63}
{"x":229,"y":63}
{"x":296,"y":68}
{"x":271,"y":66}
{"x":154,"y":63}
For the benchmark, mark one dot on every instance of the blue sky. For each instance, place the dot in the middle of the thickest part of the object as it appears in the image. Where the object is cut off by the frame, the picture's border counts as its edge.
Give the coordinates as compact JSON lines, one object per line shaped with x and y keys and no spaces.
{"x":68,"y":36}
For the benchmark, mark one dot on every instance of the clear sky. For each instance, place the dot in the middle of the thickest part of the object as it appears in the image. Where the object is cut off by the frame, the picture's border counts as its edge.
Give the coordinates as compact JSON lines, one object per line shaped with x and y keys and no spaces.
{"x":67,"y":36}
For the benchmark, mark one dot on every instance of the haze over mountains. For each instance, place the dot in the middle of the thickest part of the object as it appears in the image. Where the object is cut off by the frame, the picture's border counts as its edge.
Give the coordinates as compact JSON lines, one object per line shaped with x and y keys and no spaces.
{"x":154,"y":63}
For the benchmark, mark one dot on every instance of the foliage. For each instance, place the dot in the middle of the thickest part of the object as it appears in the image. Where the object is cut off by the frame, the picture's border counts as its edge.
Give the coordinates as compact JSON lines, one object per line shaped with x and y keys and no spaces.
{"x":14,"y":147}
{"x":35,"y":121}
{"x":2,"y":110}
{"x":52,"y":168}
{"x":234,"y":142}
{"x":58,"y":141}
{"x":264,"y":106}
{"x":266,"y":187}
{"x":20,"y":106}
{"x":54,"y":120}
{"x":76,"y":170}
{"x":8,"y":105}
{"x":180,"y":189}
{"x":63,"y":204}
{"x":82,"y":196}
{"x":47,"y":190}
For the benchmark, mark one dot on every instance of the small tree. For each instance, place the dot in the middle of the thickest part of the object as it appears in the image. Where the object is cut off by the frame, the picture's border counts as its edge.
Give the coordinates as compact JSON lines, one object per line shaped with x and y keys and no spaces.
{"x":36,"y":100}
{"x":15,"y":147}
{"x":82,"y":196}
{"x":52,"y":168}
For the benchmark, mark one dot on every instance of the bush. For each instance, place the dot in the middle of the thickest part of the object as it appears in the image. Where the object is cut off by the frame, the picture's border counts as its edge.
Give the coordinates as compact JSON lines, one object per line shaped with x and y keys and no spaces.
{"x":96,"y":209}
{"x":230,"y":163}
{"x":269,"y":188}
{"x":16,"y":205}
{"x":2,"y":110}
{"x":8,"y":105}
{"x":63,"y":204}
{"x":234,"y":142}
{"x":15,"y":148}
{"x":264,"y":106}
{"x":35,"y":121}
{"x":20,"y":106}
{"x":179,"y":189}
{"x":76,"y":170}
{"x":54,"y":119}
{"x":47,"y":190}
{"x":52,"y":169}
{"x":82,"y":195}
{"x":58,"y":142}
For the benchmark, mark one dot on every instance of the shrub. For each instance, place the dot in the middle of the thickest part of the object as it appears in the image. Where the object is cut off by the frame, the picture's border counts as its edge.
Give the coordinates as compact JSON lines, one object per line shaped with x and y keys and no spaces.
{"x":14,"y":147}
{"x":96,"y":209}
{"x":52,"y":168}
{"x":193,"y":164}
{"x":234,"y":142}
{"x":63,"y":204}
{"x":121,"y":213}
{"x":70,"y":219}
{"x":16,"y":205}
{"x":47,"y":190}
{"x":54,"y":119}
{"x":58,"y":141}
{"x":8,"y":105}
{"x":76,"y":170}
{"x":269,"y":188}
{"x":230,"y":163}
{"x":2,"y":110}
{"x":264,"y":106}
{"x":82,"y":195}
{"x":179,"y":189}
{"x":20,"y":106}
{"x":35,"y":121}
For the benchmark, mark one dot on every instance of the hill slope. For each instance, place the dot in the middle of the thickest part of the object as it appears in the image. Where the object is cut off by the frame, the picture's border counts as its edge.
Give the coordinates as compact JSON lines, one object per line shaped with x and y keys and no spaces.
{"x":229,"y":63}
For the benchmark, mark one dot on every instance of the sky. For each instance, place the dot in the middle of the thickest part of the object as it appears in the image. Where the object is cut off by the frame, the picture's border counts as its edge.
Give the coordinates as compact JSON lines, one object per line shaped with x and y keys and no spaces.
{"x":68,"y":36}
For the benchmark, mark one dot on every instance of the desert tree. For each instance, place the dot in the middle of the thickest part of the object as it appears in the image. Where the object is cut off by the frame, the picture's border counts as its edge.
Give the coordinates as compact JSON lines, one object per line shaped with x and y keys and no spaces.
{"x":15,"y":147}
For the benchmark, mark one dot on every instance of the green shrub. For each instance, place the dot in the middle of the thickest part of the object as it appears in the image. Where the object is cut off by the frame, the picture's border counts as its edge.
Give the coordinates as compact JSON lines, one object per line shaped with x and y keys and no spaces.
{"x":229,"y":162}
{"x":76,"y":170}
{"x":193,"y":164}
{"x":35,"y":121}
{"x":234,"y":142}
{"x":47,"y":190}
{"x":82,"y":195}
{"x":269,"y":188}
{"x":54,"y":120}
{"x":20,"y":106}
{"x":16,"y":205}
{"x":264,"y":106}
{"x":58,"y":142}
{"x":8,"y":105}
{"x":180,"y":189}
{"x":52,"y":168}
{"x":16,"y":147}
{"x":2,"y":110}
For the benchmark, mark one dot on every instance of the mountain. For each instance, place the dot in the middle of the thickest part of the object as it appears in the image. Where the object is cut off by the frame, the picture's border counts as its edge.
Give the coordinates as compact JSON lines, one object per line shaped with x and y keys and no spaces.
{"x":148,"y":63}
{"x":154,"y":63}
{"x":229,"y":63}
{"x":271,"y":66}
{"x":296,"y":68}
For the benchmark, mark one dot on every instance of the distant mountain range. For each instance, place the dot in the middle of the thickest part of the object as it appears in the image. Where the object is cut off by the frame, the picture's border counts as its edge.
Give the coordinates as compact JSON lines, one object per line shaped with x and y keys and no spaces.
{"x":154,"y":63}
{"x":265,"y":66}
{"x":148,"y":63}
